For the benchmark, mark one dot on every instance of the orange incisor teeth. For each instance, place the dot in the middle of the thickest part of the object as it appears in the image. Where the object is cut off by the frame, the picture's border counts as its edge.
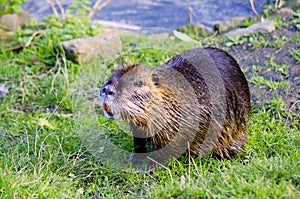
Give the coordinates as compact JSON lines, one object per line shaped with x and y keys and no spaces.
{"x":106,"y":108}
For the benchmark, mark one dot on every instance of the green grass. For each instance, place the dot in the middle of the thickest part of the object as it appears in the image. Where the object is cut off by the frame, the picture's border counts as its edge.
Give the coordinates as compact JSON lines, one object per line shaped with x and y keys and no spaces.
{"x":53,"y":161}
{"x":279,"y":68}
{"x":270,"y":84}
{"x":296,"y":55}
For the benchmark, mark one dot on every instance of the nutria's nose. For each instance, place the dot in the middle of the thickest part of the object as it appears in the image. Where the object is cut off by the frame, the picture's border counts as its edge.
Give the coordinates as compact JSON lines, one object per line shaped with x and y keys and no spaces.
{"x":106,"y":90}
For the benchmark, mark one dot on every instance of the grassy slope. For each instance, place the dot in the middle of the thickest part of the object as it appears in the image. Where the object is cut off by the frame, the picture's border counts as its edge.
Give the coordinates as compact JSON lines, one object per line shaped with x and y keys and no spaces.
{"x":38,"y":161}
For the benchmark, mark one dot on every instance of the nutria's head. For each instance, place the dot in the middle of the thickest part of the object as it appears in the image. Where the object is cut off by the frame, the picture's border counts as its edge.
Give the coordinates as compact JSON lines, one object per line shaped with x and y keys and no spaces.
{"x":132,"y":93}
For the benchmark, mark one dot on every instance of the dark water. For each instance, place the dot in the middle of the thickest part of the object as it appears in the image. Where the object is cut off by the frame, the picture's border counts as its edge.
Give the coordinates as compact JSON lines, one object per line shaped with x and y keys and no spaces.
{"x":163,"y":13}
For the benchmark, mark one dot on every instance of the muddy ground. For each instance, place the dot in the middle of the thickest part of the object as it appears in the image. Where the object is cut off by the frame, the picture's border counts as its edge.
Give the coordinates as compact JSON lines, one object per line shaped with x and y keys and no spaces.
{"x":247,"y":56}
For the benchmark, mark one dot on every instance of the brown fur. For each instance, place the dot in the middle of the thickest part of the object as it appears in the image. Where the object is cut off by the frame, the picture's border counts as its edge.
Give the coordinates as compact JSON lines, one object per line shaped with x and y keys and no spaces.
{"x":164,"y":103}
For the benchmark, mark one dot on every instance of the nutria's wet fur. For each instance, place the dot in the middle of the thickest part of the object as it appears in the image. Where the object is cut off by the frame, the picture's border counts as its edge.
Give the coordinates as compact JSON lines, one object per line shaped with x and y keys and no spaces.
{"x":162,"y":103}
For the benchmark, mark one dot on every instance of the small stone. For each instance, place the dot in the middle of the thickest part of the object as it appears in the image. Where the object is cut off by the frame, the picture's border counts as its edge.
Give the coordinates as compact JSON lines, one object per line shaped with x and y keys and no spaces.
{"x":83,"y":50}
{"x":294,"y":70}
{"x":294,"y":4}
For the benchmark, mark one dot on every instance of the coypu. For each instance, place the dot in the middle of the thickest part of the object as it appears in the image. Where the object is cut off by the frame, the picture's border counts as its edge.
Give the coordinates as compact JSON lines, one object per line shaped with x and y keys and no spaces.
{"x":197,"y":92}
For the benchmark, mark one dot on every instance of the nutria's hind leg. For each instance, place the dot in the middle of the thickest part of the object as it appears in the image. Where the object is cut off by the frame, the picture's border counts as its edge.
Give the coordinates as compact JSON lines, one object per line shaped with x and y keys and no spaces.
{"x":140,"y":144}
{"x":229,"y":144}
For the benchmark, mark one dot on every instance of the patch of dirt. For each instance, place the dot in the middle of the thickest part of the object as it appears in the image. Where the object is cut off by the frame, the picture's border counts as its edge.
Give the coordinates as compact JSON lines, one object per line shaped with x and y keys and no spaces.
{"x":248,"y":57}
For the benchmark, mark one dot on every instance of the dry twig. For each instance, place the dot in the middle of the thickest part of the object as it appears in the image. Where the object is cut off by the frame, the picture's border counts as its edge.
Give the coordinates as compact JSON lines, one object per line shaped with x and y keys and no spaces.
{"x":62,"y":10}
{"x":96,"y":7}
{"x":4,"y":79}
{"x":253,"y":7}
{"x":189,"y":162}
{"x":190,"y":15}
{"x":57,"y":64}
{"x":33,"y":36}
{"x":54,"y":10}
{"x":27,"y":9}
{"x":170,"y":173}
{"x":279,"y":4}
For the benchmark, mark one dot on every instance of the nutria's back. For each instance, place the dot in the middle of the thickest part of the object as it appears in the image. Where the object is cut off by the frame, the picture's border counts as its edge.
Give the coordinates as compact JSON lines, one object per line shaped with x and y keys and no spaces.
{"x":200,"y":96}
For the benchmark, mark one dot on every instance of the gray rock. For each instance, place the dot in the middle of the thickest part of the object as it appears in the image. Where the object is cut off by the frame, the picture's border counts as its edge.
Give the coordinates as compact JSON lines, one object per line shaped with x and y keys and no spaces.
{"x":284,"y":12}
{"x":83,"y":50}
{"x":264,"y":26}
{"x":9,"y":22}
{"x":196,"y":30}
{"x":13,"y":21}
{"x":294,"y":4}
{"x":231,"y":24}
{"x":23,"y":18}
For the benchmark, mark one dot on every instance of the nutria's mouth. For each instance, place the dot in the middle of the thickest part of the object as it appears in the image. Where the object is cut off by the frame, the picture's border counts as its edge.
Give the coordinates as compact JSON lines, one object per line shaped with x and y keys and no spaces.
{"x":107,"y":110}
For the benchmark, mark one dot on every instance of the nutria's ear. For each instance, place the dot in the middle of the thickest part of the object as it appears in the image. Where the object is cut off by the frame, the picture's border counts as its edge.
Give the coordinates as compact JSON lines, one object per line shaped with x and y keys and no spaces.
{"x":155,"y":79}
{"x":118,"y":67}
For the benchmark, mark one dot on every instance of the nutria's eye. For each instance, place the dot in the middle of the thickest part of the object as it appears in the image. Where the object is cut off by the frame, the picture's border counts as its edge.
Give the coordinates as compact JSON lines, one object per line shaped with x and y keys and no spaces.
{"x":155,"y":79}
{"x":138,"y":84}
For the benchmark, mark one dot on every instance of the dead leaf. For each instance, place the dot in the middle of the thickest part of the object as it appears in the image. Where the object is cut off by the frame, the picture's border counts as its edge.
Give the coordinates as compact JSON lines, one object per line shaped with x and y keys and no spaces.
{"x":42,"y":122}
